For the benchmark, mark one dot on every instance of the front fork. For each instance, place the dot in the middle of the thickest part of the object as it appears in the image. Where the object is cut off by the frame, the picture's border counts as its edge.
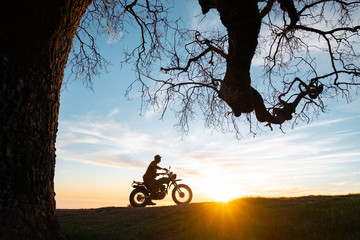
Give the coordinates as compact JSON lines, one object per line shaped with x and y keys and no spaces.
{"x":181,"y":194}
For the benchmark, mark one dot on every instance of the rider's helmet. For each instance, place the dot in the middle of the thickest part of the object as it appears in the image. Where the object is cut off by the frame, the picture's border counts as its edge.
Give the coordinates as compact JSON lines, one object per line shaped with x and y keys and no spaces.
{"x":157,"y":157}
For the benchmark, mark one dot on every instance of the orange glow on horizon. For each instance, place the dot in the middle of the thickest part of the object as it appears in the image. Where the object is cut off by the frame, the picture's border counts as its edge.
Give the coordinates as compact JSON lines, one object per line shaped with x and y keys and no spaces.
{"x":223,"y":194}
{"x":219,"y":187}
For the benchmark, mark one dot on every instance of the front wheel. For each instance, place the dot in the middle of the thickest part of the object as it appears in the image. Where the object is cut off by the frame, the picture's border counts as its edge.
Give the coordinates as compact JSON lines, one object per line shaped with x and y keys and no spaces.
{"x":138,"y":197}
{"x":182,"y":194}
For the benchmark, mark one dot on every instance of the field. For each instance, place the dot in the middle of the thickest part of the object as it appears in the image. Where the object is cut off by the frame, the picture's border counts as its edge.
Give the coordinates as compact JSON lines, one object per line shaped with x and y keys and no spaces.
{"x":309,"y":217}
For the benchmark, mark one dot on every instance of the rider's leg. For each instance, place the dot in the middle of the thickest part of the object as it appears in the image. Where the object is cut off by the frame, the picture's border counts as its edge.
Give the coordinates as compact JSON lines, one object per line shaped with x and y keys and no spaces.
{"x":153,"y":189}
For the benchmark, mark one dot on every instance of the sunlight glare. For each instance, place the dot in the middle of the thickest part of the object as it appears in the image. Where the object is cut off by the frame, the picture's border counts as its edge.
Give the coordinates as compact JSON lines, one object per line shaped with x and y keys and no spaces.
{"x":223,"y":194}
{"x":219,"y":188}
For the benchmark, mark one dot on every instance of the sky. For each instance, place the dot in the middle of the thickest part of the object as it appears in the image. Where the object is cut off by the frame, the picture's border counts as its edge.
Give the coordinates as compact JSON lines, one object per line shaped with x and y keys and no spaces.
{"x":104,"y":143}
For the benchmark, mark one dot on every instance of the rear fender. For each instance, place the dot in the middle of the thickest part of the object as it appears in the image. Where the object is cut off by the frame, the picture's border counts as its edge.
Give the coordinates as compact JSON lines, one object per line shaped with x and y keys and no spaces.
{"x":140,"y":187}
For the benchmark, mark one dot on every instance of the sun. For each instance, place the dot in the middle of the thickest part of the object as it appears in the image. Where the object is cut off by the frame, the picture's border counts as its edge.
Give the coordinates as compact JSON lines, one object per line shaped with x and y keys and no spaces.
{"x":223,"y":193}
{"x":220,"y":190}
{"x":218,"y":185}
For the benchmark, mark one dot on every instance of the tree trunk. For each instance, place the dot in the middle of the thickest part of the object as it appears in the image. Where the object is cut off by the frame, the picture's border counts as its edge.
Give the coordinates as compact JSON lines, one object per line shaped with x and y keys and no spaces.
{"x":242,"y":21}
{"x":35,"y":39}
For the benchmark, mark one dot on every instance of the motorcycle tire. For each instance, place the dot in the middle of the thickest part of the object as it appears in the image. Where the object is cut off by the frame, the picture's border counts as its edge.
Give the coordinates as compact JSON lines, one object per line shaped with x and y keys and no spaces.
{"x":138,"y":197}
{"x":184,"y":196}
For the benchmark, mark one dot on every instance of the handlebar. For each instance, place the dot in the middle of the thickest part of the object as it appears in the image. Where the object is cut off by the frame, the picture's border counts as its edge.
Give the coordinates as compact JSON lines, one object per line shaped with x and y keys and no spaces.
{"x":164,"y":173}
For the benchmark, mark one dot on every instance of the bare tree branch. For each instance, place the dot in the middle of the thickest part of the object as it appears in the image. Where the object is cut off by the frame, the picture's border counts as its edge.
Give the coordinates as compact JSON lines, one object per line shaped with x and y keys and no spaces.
{"x":296,"y":30}
{"x":310,"y":51}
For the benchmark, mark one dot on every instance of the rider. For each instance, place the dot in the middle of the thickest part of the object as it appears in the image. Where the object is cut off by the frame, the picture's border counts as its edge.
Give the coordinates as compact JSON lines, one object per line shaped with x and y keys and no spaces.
{"x":150,"y":175}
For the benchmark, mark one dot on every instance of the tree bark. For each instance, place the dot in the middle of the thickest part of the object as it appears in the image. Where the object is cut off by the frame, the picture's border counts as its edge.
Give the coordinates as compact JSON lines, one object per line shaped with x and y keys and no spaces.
{"x":242,"y":21}
{"x":35,"y":40}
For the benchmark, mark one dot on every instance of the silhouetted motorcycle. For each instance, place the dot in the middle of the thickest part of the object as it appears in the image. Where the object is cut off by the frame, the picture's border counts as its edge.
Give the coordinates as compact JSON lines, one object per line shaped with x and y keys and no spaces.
{"x":181,"y":193}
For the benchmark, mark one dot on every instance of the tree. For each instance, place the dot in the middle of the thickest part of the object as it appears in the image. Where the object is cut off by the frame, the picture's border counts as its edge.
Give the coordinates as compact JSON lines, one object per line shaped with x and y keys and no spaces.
{"x":310,"y":51}
{"x":36,"y":38}
{"x":35,"y":41}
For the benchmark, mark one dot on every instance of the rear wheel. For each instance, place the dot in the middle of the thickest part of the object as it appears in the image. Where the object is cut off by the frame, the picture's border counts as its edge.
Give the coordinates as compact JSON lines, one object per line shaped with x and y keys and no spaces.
{"x":182,"y":194}
{"x":138,"y":197}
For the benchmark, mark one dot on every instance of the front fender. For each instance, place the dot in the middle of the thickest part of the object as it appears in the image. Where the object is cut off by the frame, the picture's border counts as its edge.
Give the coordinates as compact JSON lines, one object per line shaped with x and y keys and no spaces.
{"x":175,"y":182}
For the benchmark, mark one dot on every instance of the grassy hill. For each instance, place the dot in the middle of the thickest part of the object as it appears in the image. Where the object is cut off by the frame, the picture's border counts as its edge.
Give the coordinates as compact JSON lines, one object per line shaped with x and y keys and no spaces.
{"x":309,"y":217}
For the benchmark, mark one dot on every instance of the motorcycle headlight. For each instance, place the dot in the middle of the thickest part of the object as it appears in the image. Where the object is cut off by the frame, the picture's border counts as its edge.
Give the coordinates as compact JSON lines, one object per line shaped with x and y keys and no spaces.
{"x":173,"y":177}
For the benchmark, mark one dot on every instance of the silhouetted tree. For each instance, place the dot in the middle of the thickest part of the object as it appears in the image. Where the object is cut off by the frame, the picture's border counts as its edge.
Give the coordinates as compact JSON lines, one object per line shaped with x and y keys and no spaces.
{"x":309,"y":49}
{"x":212,"y":72}
{"x":35,"y":41}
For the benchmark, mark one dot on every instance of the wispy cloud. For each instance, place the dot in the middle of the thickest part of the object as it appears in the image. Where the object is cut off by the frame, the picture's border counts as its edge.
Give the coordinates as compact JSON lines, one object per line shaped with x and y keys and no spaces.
{"x":262,"y":162}
{"x":114,"y":37}
{"x":104,"y":141}
{"x":116,"y":137}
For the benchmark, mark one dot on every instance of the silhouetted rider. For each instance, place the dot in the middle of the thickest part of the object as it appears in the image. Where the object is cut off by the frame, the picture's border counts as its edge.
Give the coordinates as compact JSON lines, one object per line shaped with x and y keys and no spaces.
{"x":150,"y":175}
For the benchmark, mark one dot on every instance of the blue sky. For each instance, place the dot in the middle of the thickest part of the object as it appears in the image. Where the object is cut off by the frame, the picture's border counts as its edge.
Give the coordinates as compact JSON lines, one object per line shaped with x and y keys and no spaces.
{"x":104,"y":143}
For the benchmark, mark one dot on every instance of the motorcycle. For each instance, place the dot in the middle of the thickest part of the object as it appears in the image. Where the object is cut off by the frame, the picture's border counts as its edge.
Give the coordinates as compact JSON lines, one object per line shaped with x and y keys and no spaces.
{"x":181,"y":193}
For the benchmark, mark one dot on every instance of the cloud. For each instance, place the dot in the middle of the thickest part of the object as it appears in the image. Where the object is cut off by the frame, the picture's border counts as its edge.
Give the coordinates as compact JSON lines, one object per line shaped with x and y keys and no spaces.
{"x":340,"y":184}
{"x":114,"y":37}
{"x":109,"y":159}
{"x":290,"y":158}
{"x":262,"y":163}
{"x":203,"y":23}
{"x":325,"y":123}
{"x":104,"y":141}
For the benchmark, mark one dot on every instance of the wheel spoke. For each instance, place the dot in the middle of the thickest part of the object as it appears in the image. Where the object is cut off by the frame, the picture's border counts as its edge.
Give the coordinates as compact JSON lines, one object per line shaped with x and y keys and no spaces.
{"x":138,"y":198}
{"x":182,"y":194}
